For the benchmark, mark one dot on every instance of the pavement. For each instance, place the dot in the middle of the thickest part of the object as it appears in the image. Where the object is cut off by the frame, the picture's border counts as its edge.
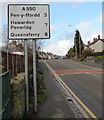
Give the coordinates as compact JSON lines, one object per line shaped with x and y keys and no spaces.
{"x":55,"y":105}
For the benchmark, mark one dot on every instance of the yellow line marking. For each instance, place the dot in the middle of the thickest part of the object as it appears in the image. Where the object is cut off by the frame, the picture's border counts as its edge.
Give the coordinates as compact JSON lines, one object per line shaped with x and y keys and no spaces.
{"x":82,"y":111}
{"x":89,"y":111}
{"x":86,"y":108}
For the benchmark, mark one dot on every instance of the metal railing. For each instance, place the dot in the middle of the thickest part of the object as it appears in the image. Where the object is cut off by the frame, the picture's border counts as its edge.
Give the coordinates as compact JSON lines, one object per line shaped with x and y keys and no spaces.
{"x":5,"y":95}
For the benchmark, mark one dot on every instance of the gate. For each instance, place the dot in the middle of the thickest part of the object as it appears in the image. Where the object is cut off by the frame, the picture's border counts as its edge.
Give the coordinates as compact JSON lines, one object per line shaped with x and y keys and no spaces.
{"x":5,"y":95}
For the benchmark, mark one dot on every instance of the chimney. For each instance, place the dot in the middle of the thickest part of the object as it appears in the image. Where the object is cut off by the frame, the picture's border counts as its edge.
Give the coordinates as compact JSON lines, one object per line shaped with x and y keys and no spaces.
{"x":98,"y":37}
{"x":88,"y":42}
{"x":94,"y":39}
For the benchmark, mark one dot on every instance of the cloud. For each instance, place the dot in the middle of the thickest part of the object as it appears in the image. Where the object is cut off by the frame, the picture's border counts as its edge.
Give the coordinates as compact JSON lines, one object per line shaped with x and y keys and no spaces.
{"x":75,"y":4}
{"x":66,"y":40}
{"x":60,"y":47}
{"x":100,"y":18}
{"x":53,"y":27}
{"x":84,"y":26}
{"x":87,"y":34}
{"x":95,"y":35}
{"x":85,"y":31}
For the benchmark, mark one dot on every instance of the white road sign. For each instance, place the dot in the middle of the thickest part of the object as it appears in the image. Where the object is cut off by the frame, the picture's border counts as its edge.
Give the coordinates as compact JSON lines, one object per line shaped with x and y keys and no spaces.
{"x":28,"y":21}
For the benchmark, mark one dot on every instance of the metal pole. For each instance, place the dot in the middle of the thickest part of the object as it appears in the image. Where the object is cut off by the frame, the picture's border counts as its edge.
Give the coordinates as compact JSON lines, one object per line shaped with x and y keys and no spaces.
{"x":16,"y":64}
{"x":26,"y":76}
{"x":20,"y":62}
{"x":34,"y":75}
{"x":1,"y":98}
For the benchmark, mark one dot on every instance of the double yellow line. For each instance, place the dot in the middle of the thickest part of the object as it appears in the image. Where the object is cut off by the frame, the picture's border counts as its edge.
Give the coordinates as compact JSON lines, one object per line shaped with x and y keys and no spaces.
{"x":81,"y":103}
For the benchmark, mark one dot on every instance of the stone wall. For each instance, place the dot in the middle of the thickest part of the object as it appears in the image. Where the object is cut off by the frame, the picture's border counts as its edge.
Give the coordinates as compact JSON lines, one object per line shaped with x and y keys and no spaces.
{"x":90,"y":58}
{"x":99,"y":60}
{"x":18,"y":96}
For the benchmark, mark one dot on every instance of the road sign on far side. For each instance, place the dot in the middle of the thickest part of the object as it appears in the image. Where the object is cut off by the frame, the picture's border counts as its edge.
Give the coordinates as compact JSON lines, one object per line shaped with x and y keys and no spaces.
{"x":28,"y":21}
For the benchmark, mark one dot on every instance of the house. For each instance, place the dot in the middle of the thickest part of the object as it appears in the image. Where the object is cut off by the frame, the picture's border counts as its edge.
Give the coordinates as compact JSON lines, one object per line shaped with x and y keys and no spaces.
{"x":14,"y":48}
{"x":97,"y":45}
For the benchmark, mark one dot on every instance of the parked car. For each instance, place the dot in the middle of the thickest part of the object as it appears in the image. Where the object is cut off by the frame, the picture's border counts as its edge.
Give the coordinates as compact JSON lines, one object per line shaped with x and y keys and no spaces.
{"x":64,"y":57}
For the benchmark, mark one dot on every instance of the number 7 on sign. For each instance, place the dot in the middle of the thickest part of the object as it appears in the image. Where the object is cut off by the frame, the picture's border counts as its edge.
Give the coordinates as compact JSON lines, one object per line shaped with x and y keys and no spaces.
{"x":46,"y":24}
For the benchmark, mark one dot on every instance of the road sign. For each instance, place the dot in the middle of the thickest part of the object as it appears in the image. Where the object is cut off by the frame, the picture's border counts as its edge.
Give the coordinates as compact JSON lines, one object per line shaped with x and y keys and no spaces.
{"x":28,"y":21}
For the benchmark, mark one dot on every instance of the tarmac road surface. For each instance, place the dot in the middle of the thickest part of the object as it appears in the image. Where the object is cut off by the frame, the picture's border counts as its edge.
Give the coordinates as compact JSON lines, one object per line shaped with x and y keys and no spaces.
{"x":84,"y":80}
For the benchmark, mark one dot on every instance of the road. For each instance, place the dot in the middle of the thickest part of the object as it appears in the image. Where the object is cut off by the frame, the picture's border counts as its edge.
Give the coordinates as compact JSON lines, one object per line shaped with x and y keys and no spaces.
{"x":84,"y":80}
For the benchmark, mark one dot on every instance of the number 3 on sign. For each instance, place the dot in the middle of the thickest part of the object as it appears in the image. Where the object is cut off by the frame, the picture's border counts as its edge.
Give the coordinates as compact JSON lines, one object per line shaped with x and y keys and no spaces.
{"x":45,"y":14}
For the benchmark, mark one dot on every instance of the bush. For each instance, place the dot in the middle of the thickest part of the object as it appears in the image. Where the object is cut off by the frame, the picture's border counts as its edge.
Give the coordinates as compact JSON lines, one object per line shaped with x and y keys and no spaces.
{"x":87,"y":52}
{"x":71,"y":55}
{"x":42,"y":94}
{"x":81,"y":59}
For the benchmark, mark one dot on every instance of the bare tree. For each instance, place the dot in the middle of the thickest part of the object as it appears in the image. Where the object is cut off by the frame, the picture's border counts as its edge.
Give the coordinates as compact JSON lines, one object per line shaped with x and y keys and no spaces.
{"x":5,"y":39}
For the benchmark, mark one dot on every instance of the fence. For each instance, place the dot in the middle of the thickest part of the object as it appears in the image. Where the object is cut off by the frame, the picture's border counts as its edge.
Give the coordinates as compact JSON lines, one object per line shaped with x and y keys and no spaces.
{"x":14,"y":63}
{"x":5,"y":95}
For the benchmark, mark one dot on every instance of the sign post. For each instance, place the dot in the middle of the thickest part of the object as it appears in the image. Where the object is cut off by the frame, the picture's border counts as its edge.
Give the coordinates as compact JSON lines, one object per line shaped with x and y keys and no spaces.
{"x":26,"y":76}
{"x":29,"y":21}
{"x":34,"y":75}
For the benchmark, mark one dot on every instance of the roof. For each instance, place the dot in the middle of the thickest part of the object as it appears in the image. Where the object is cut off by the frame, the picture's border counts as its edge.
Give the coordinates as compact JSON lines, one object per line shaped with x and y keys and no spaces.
{"x":11,"y":48}
{"x":94,"y":42}
{"x":18,"y":53}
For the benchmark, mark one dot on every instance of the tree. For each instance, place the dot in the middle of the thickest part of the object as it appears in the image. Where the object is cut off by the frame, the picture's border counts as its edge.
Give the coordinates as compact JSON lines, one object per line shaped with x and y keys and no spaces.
{"x":71,"y":52}
{"x":78,"y":43}
{"x":5,"y":39}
